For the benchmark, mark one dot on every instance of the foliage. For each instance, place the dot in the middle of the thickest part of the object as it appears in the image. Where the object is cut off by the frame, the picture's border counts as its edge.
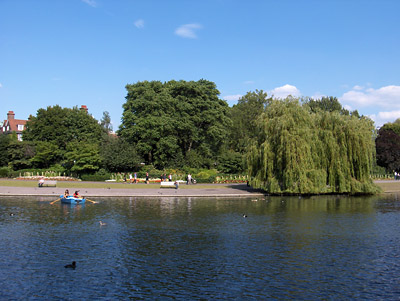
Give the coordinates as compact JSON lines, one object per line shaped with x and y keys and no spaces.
{"x":20,"y":154}
{"x":105,"y":122}
{"x":99,"y":176}
{"x":204,"y":175}
{"x":388,"y":147}
{"x":61,"y":126}
{"x":303,"y":152}
{"x":46,"y":154}
{"x":328,"y":104}
{"x":4,"y":172}
{"x":82,"y":157}
{"x":244,"y":116}
{"x":167,"y":122}
{"x":4,"y":143}
{"x":119,"y":155}
{"x":230,"y":162}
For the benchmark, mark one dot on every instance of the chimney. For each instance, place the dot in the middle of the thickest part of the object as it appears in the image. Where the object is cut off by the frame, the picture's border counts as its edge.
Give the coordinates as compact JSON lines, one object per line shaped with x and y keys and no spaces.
{"x":10,"y":115}
{"x":84,"y":108}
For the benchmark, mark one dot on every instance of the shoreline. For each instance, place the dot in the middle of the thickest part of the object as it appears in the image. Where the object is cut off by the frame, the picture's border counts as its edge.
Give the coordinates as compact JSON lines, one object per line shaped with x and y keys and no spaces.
{"x":136,"y":190}
{"x":151,"y":190}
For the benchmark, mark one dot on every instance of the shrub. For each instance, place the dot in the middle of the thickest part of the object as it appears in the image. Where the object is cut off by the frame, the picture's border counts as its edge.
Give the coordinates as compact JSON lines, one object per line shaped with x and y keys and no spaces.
{"x":4,"y":172}
{"x":99,"y":176}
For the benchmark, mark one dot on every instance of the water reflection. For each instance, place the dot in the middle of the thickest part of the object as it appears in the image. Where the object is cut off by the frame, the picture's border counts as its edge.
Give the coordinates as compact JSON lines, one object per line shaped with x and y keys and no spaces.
{"x":334,"y":247}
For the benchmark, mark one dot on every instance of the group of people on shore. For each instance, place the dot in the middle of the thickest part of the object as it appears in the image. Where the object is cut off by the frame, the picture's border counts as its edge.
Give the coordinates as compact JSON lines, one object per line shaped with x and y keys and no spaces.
{"x":134,"y":178}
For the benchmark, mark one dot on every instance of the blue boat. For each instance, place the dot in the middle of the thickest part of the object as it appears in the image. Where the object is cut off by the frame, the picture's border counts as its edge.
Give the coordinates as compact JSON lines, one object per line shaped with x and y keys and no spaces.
{"x":72,"y":200}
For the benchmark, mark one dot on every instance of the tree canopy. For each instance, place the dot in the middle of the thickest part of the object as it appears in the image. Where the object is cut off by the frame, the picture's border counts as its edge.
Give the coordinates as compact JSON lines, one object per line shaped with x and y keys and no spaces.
{"x":388,"y":146}
{"x":244,"y":116}
{"x":300,"y":151}
{"x":175,"y":121}
{"x":62,"y":125}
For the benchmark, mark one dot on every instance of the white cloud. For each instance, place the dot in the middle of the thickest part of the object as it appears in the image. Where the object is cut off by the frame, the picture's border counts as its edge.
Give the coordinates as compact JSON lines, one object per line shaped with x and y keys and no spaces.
{"x":384,"y":117}
{"x":285,"y":91}
{"x":139,"y":23}
{"x":188,"y":30}
{"x":356,"y":87}
{"x":385,"y":101}
{"x":385,"y":97}
{"x":92,"y":3}
{"x":232,"y":97}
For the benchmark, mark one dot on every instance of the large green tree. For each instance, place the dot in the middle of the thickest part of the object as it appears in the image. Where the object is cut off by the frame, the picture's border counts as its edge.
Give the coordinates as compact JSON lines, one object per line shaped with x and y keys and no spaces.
{"x":244,"y":116}
{"x":62,"y":125}
{"x":328,"y":104}
{"x":176,"y":120}
{"x":299,"y":151}
{"x":388,"y":146}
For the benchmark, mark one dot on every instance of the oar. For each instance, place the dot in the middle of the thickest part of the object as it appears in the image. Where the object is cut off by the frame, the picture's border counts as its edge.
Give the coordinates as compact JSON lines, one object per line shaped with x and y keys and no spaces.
{"x":54,"y":201}
{"x":91,"y":201}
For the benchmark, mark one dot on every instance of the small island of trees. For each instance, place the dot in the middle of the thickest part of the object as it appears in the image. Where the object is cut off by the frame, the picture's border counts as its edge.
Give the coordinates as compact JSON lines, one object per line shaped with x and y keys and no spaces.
{"x":289,"y":146}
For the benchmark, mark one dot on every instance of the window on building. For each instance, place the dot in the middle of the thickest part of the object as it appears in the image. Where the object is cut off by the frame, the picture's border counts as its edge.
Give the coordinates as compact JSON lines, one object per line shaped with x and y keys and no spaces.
{"x":19,"y":136}
{"x":20,"y":127}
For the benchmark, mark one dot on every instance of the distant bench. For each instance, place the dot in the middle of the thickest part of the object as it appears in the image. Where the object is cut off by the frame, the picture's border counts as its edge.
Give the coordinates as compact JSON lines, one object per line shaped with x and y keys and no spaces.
{"x":48,"y":183}
{"x":168,"y":185}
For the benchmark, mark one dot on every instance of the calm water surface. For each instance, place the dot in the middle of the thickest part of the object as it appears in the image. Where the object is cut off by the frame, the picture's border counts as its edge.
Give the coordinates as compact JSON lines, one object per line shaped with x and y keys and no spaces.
{"x":287,"y":248}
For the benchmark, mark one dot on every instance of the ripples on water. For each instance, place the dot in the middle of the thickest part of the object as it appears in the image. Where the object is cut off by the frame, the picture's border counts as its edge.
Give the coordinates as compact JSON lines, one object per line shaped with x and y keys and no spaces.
{"x":287,"y":248}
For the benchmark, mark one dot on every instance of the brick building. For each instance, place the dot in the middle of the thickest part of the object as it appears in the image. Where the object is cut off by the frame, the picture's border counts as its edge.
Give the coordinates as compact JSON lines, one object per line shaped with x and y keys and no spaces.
{"x":13,"y":125}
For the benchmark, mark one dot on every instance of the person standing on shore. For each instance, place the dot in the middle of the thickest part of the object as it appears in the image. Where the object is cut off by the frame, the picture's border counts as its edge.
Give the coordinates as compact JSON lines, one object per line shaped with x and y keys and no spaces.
{"x":147,"y":178}
{"x":189,"y":179}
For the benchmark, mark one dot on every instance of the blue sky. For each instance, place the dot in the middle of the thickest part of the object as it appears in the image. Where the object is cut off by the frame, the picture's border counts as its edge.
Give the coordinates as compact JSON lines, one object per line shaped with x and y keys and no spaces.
{"x":84,"y":52}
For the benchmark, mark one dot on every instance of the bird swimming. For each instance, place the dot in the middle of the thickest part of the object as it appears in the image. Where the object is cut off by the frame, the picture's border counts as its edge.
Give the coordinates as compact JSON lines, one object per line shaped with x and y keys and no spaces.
{"x":102,"y":224}
{"x":71,"y":266}
{"x":244,"y":215}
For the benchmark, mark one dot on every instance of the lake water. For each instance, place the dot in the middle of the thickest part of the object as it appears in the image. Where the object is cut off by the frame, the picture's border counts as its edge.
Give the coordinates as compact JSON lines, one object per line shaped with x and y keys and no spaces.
{"x":179,"y":248}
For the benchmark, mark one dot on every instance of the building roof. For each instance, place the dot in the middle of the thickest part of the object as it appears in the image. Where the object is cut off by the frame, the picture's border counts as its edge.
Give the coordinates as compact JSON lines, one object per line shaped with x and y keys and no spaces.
{"x":14,"y":124}
{"x":11,"y":124}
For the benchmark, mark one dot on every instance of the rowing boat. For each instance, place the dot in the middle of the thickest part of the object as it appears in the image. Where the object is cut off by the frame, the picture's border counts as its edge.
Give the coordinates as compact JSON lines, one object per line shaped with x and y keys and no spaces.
{"x":72,"y":200}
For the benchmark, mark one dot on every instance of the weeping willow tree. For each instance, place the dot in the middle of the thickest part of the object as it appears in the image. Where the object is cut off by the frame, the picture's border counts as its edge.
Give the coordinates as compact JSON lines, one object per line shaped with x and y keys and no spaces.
{"x":299,"y":151}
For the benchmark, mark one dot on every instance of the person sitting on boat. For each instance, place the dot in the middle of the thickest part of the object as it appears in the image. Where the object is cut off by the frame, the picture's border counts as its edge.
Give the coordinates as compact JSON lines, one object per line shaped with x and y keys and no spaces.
{"x":66,"y":193}
{"x":77,"y":195}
